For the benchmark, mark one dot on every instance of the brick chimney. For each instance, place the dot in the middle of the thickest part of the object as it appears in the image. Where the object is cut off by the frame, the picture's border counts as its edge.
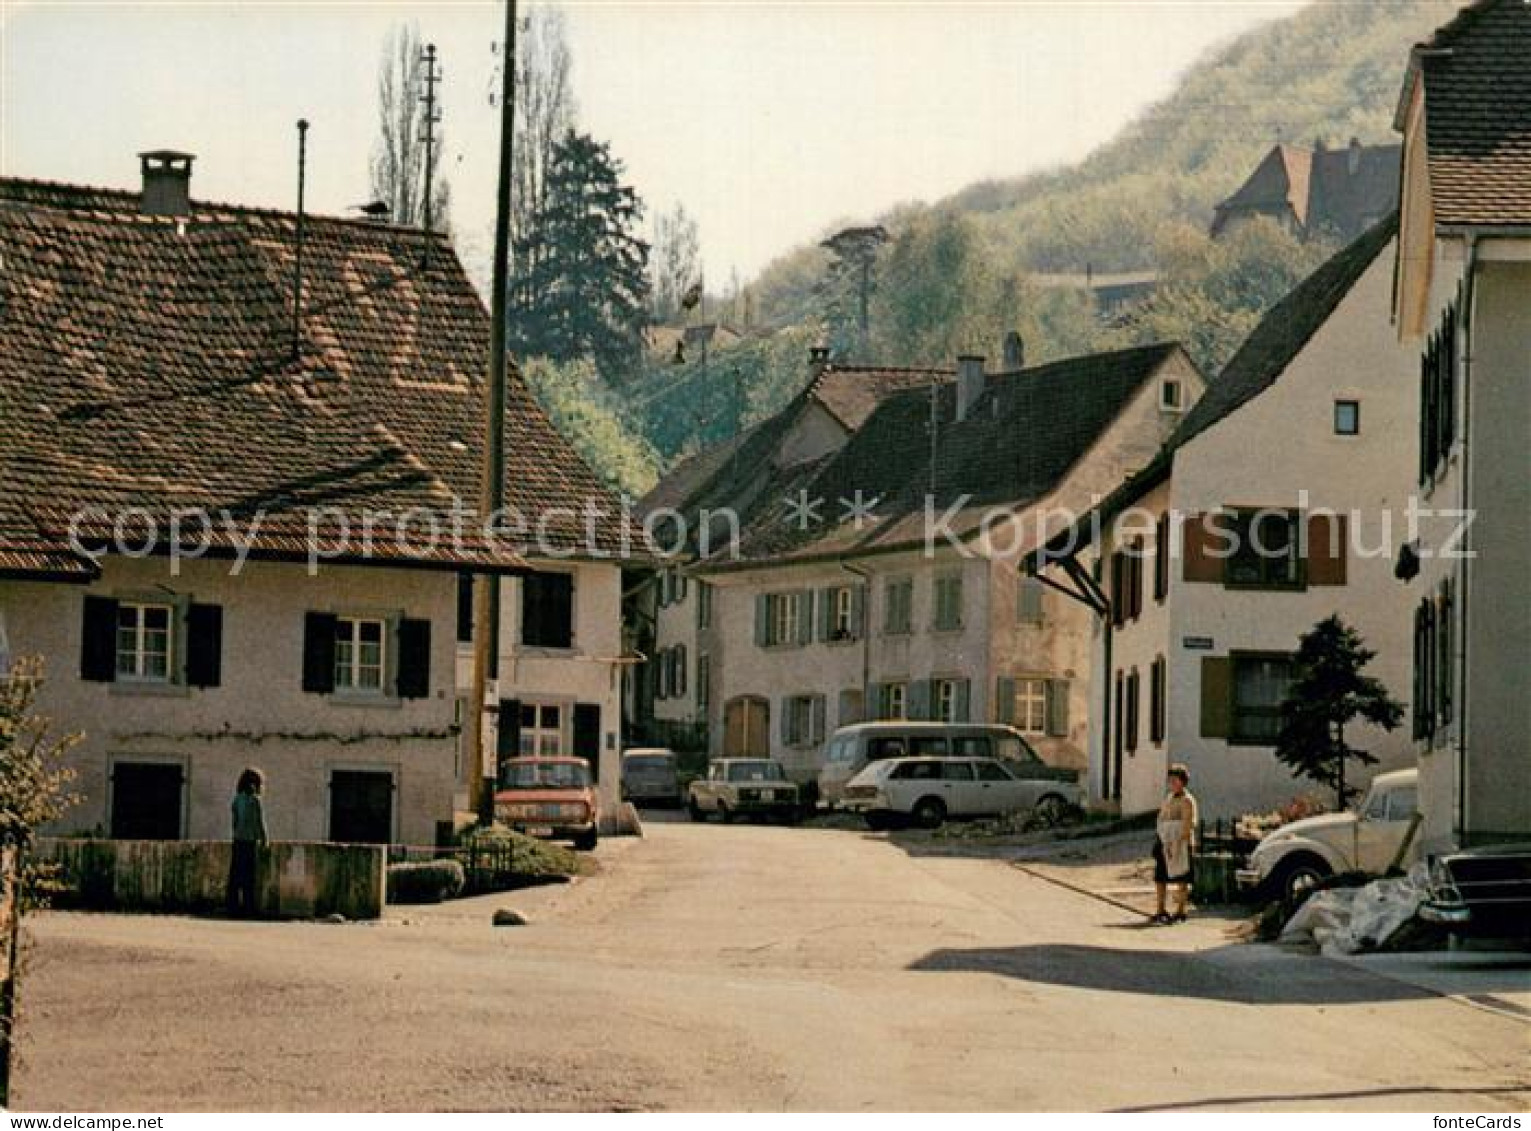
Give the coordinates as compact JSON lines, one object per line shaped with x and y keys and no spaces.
{"x":167,"y":182}
{"x":1015,"y":351}
{"x":970,"y":382}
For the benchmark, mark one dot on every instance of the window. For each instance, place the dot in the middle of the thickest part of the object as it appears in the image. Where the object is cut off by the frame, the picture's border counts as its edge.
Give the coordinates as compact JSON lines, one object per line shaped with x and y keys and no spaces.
{"x":1259,"y":685}
{"x":898,"y":607}
{"x":703,"y":682}
{"x":1158,"y":701}
{"x":841,"y":614}
{"x":928,"y":746}
{"x":895,"y":701}
{"x":992,"y":771}
{"x":783,"y":619}
{"x":803,"y":720}
{"x":465,"y":608}
{"x":678,"y":671}
{"x":956,"y":771}
{"x":1028,"y":601}
{"x":360,"y":653}
{"x":949,"y":700}
{"x":1127,"y":583}
{"x":144,"y":642}
{"x":541,"y":730}
{"x":547,"y":610}
{"x":971,"y":747}
{"x":1434,"y":662}
{"x":1031,"y":705}
{"x":1171,"y":395}
{"x":1445,"y":661}
{"x":1266,"y":550}
{"x":948,"y":603}
{"x":1347,"y":418}
{"x":1401,"y":804}
{"x":703,"y":605}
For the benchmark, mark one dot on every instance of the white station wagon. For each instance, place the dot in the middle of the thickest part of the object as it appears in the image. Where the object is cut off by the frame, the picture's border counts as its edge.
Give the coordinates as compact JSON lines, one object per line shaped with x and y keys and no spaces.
{"x":929,"y":790}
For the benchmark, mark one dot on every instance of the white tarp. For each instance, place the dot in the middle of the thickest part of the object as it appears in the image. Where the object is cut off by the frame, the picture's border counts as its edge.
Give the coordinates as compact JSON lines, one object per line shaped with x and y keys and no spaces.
{"x":1352,"y":920}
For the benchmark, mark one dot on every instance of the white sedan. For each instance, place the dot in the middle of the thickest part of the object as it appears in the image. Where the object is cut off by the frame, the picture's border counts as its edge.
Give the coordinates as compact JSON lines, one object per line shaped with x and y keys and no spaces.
{"x":929,"y":790}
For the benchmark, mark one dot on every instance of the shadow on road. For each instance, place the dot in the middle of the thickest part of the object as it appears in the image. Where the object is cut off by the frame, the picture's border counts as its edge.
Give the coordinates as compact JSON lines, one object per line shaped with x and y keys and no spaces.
{"x":1296,"y":981}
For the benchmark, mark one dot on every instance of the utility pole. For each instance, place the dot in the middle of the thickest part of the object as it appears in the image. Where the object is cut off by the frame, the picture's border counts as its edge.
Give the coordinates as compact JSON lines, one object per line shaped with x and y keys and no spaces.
{"x":486,"y":587}
{"x":432,"y":120}
{"x":297,"y":257}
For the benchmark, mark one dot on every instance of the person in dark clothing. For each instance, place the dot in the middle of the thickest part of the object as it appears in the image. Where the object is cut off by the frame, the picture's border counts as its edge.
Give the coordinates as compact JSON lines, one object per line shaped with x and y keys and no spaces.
{"x":249,"y":820}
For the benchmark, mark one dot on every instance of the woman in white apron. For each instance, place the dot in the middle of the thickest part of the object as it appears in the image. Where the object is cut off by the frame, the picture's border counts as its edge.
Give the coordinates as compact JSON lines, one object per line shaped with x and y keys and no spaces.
{"x":1174,"y":840}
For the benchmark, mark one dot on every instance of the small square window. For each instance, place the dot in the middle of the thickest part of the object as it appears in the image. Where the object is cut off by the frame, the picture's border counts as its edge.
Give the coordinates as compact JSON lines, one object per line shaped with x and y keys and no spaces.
{"x":1169,"y":396}
{"x":1347,"y":418}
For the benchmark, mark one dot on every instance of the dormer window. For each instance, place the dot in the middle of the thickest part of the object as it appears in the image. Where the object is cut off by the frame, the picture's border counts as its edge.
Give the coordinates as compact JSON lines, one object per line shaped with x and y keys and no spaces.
{"x":1171,"y":396}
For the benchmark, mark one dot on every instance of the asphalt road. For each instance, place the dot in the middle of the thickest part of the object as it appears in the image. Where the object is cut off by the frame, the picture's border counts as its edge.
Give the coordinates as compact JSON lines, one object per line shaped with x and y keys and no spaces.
{"x":742,"y":967}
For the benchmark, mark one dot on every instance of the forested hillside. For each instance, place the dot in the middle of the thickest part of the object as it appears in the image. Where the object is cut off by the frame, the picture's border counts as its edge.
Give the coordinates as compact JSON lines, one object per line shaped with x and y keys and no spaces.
{"x":957,"y":274}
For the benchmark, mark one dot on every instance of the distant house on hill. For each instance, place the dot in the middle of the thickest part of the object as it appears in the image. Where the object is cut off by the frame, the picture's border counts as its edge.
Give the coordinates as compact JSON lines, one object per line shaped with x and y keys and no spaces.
{"x":1320,"y":191}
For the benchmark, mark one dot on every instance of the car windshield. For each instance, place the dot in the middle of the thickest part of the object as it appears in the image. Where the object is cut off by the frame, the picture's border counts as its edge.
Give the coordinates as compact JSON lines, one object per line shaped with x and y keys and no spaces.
{"x":754,"y":771}
{"x":649,"y":763}
{"x":527,"y":774}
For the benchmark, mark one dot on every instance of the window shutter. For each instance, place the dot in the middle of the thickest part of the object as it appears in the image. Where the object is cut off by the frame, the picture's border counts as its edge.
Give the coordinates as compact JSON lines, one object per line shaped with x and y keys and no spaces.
{"x":508,"y":744}
{"x":1162,"y":558}
{"x":858,"y":612}
{"x":414,"y":659}
{"x":852,"y":706}
{"x":1029,"y":601}
{"x":1328,"y":543}
{"x":204,"y":645}
{"x":877,"y":701}
{"x":762,"y":621}
{"x":682,"y":670}
{"x":826,"y":613}
{"x":587,"y":736}
{"x":1058,"y":708}
{"x":917,"y":704}
{"x":318,"y":653}
{"x":464,"y":608}
{"x":784,"y":726}
{"x":1004,"y":700}
{"x":1216,"y":697}
{"x":98,"y":640}
{"x":805,"y":616}
{"x":1198,"y":541}
{"x":816,"y":727}
{"x":962,"y":701}
{"x":1134,"y":699}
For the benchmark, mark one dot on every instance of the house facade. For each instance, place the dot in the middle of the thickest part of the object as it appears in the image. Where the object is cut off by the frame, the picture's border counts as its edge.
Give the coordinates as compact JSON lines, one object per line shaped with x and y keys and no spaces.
{"x":239,"y":510}
{"x":1272,"y":507}
{"x":879,"y":578}
{"x":1463,"y":306}
{"x":1339,"y":193}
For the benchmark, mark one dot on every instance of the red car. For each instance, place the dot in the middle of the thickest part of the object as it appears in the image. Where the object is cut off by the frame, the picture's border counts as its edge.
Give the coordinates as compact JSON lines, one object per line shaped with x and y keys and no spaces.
{"x":549,"y":797}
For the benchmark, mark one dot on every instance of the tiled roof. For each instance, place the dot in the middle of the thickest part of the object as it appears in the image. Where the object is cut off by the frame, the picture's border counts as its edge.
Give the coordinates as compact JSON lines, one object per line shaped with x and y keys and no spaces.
{"x":852,"y":393}
{"x":1343,"y":189}
{"x":1283,"y":332}
{"x":1477,"y":92}
{"x":1021,"y":437}
{"x":149,"y":362}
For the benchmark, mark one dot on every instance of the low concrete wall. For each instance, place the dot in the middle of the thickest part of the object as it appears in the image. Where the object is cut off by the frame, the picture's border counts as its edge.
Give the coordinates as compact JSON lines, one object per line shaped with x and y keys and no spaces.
{"x":294,"y":880}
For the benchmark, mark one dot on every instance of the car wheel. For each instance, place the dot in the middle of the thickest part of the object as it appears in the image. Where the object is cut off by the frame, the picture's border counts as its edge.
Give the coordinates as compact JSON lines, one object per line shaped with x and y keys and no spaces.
{"x":696,"y":811}
{"x":878,"y":822}
{"x":1051,"y":810}
{"x":586,"y":842}
{"x":724,"y":814}
{"x":1297,"y":878}
{"x":929,"y":812}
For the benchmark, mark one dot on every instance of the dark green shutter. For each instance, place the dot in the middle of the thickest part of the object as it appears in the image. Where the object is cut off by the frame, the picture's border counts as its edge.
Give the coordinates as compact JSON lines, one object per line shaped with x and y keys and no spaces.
{"x":98,"y":640}
{"x":963,"y":701}
{"x":414,"y":659}
{"x":508,"y":742}
{"x":204,"y":645}
{"x":1216,"y":697}
{"x":917,"y":704}
{"x":762,"y":621}
{"x":587,"y":736}
{"x":858,"y":612}
{"x":1058,"y":708}
{"x":318,"y":653}
{"x":826,"y":614}
{"x":1004,"y":700}
{"x":805,"y":616}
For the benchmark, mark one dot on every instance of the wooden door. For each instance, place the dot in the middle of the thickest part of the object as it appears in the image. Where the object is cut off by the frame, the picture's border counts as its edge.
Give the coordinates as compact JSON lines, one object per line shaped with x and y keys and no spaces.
{"x":747,"y":727}
{"x":361,"y":807}
{"x":146,"y":801}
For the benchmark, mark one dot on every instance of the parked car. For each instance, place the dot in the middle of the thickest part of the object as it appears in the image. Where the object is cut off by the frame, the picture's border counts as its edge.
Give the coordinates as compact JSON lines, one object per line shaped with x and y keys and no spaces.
{"x":929,"y":790}
{"x":650,"y":775}
{"x":549,"y":797}
{"x":744,"y":787}
{"x":853,"y":748}
{"x":1481,"y":891}
{"x":1291,"y":860}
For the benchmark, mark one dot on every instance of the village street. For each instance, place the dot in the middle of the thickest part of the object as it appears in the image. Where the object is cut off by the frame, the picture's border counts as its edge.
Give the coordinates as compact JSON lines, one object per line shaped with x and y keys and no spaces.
{"x":742,"y":967}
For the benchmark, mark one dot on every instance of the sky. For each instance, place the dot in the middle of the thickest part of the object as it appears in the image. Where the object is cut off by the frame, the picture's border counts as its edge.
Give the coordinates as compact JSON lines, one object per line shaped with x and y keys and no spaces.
{"x":769,"y":121}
